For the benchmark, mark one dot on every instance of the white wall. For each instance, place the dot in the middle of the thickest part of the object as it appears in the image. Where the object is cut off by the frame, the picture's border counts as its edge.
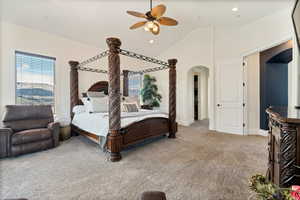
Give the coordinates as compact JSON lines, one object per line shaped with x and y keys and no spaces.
{"x":24,"y":39}
{"x":210,"y":47}
{"x":196,"y":49}
{"x":259,"y":35}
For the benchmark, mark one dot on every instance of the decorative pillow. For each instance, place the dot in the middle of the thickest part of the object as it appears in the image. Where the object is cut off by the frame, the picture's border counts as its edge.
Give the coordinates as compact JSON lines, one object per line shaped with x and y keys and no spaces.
{"x":96,"y":94}
{"x":79,"y":109}
{"x":99,"y":104}
{"x":87,"y":104}
{"x":130,"y":107}
{"x":134,"y":99}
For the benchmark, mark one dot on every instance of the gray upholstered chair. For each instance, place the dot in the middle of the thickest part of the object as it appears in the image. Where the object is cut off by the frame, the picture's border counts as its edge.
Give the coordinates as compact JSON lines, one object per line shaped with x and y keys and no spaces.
{"x":27,"y":129}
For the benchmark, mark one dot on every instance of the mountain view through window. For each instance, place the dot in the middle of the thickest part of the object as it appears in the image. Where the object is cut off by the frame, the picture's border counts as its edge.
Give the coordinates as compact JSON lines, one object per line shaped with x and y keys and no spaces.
{"x":34,"y":79}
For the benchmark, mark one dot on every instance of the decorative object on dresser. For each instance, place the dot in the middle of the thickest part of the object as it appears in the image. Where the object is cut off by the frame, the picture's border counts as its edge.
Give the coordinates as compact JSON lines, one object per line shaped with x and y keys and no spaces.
{"x":118,"y":137}
{"x":27,"y":129}
{"x":149,"y":92}
{"x":284,"y":146}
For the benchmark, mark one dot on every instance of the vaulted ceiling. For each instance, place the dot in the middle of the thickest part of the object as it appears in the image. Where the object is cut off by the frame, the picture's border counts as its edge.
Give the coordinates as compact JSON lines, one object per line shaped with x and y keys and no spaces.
{"x":91,"y":21}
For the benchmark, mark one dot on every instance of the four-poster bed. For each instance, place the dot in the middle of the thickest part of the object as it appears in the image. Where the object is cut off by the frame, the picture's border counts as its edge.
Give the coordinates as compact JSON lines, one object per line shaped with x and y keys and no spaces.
{"x":118,"y":137}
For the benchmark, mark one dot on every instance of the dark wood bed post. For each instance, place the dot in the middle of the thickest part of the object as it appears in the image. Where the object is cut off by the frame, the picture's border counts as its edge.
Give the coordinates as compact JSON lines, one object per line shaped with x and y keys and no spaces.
{"x":114,"y":140}
{"x":74,"y":92}
{"x":172,"y":97}
{"x":125,"y":83}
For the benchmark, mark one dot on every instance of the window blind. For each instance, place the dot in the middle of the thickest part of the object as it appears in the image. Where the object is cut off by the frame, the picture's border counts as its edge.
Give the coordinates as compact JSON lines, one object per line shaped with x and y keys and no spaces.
{"x":35,"y":76}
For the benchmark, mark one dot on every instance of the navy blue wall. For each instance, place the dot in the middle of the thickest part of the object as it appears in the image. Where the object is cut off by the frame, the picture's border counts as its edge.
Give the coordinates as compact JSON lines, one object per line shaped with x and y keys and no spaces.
{"x":276,"y":86}
{"x":274,"y":79}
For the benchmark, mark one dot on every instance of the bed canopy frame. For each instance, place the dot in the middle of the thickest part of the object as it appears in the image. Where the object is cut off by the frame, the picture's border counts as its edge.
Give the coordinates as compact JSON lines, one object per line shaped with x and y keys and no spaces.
{"x":119,"y":138}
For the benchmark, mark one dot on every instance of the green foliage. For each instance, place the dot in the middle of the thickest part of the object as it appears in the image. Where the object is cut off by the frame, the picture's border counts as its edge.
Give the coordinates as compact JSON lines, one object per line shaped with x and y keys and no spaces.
{"x":266,"y":190}
{"x":149,"y":92}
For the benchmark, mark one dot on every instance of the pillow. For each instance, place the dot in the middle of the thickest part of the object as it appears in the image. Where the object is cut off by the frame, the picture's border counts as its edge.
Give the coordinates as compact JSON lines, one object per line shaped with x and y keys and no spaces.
{"x":96,"y":94}
{"x":87,"y":104}
{"x":98,"y":104}
{"x":78,"y":109}
{"x":134,"y":99}
{"x":130,"y":107}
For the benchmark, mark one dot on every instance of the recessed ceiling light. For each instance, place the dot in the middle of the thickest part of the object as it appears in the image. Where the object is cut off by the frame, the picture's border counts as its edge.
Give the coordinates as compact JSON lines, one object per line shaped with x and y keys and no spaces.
{"x":235,"y":9}
{"x":151,"y":41}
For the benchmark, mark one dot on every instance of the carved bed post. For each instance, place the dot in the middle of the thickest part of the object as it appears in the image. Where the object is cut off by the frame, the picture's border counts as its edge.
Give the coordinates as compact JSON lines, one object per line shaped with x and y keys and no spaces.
{"x":74,"y":92}
{"x":114,"y":140}
{"x":172,"y":97}
{"x":125,"y":83}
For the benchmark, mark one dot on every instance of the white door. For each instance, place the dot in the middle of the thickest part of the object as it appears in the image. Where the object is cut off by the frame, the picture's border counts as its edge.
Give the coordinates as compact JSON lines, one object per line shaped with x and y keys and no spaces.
{"x":229,"y":101}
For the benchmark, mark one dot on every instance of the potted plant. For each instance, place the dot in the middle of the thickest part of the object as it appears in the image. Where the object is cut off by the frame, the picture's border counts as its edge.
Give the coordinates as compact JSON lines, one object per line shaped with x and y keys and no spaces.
{"x":150,"y":96}
{"x":265,"y":190}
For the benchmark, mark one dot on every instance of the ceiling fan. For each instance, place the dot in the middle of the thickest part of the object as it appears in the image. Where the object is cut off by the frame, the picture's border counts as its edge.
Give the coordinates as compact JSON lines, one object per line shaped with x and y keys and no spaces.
{"x":154,"y":18}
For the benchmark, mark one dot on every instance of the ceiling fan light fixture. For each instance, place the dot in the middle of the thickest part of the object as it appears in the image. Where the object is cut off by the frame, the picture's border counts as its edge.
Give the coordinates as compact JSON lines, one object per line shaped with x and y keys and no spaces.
{"x":235,"y":9}
{"x":154,"y":18}
{"x":155,"y":28}
{"x":146,"y":28}
{"x":150,"y":25}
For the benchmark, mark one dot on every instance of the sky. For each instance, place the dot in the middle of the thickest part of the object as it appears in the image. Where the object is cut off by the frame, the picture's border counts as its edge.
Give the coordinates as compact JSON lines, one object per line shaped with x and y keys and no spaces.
{"x":31,"y":69}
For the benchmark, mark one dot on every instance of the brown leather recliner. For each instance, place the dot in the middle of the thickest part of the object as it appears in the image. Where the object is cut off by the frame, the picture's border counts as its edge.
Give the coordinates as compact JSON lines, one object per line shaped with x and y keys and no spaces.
{"x":27,"y":129}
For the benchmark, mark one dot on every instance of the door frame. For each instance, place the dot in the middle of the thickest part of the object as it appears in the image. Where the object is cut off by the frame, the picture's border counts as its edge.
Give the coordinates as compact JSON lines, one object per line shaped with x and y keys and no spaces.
{"x":244,"y":55}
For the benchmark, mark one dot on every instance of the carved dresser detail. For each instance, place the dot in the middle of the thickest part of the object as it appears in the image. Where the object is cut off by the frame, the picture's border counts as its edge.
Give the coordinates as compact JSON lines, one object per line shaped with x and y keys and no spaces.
{"x":284,"y":146}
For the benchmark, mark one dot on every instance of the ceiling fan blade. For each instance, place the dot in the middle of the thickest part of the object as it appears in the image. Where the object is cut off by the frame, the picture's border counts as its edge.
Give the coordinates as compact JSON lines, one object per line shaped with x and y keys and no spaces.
{"x":136,"y":14}
{"x":167,"y":21}
{"x":158,"y":11}
{"x":137,"y":25}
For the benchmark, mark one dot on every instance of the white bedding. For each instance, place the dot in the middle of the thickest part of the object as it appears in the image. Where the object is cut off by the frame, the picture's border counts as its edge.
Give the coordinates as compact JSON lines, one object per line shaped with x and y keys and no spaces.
{"x":97,"y":123}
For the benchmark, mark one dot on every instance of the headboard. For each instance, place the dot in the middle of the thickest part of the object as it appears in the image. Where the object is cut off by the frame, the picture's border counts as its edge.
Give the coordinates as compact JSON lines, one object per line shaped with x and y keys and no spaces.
{"x":101,"y":86}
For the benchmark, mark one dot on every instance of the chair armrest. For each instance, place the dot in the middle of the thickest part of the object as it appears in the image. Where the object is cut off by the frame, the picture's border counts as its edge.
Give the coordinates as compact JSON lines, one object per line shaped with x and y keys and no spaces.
{"x":54,"y":128}
{"x":5,"y":142}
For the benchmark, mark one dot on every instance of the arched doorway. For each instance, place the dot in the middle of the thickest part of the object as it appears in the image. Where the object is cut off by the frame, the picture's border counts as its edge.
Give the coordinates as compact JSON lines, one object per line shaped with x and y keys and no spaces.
{"x":198,"y":90}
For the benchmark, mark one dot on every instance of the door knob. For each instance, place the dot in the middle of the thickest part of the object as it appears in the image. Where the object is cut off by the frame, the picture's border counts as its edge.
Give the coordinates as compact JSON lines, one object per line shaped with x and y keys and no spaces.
{"x":218,"y":105}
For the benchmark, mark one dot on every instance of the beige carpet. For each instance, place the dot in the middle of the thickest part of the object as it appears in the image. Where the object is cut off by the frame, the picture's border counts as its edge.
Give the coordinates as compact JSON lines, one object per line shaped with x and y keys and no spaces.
{"x":198,"y":165}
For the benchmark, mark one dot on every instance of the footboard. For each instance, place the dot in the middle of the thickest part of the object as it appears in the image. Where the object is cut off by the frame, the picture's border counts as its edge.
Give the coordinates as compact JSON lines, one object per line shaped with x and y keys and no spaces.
{"x":145,"y":129}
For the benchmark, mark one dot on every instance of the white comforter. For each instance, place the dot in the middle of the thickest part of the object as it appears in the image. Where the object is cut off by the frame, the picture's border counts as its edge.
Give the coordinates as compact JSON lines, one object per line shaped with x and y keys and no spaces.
{"x":97,"y":123}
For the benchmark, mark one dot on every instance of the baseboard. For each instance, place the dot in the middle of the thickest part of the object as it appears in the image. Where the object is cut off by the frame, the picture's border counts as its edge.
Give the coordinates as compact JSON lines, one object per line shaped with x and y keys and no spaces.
{"x":264,"y":133}
{"x":184,"y":123}
{"x":257,"y":132}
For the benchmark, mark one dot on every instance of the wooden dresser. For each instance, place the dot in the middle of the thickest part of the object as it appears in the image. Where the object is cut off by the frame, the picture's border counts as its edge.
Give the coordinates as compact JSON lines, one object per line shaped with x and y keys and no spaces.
{"x":284,"y":146}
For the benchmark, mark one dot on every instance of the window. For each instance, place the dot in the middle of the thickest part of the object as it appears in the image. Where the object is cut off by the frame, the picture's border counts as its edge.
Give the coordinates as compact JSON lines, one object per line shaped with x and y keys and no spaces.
{"x":34,"y":79}
{"x":134,"y":84}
